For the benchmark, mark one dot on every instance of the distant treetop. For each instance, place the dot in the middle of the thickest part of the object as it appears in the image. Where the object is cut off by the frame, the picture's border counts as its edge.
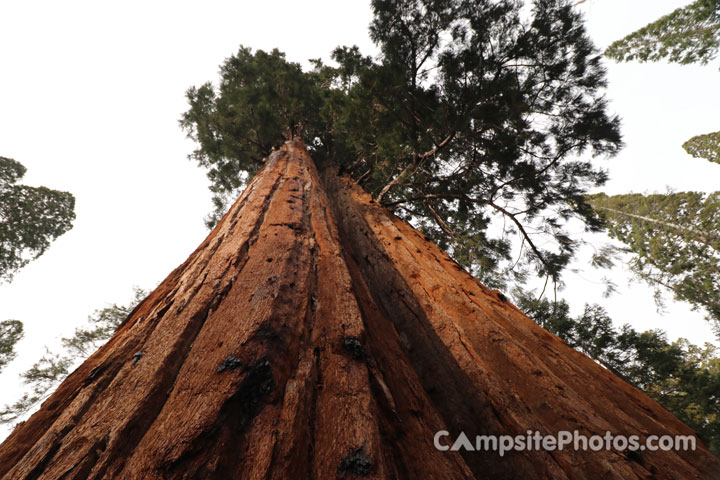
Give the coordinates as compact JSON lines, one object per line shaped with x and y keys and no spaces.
{"x":30,"y":218}
{"x":690,"y":34}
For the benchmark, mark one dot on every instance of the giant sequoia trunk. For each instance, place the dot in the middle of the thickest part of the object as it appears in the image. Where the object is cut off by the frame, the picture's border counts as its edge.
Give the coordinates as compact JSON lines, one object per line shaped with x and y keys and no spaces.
{"x":315,"y":335}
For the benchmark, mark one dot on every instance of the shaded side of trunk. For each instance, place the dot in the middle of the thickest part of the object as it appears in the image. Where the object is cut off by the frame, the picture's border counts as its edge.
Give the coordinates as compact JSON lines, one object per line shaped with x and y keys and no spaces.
{"x":489,"y":369}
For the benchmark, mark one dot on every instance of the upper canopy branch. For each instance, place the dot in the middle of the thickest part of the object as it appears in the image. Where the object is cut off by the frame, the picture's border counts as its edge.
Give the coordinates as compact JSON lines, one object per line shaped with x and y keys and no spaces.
{"x":412,"y":166}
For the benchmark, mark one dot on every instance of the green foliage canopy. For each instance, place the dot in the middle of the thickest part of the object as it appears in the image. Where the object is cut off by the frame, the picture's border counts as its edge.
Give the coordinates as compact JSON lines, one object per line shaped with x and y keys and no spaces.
{"x":238,"y":123}
{"x":30,"y":218}
{"x":470,"y":113}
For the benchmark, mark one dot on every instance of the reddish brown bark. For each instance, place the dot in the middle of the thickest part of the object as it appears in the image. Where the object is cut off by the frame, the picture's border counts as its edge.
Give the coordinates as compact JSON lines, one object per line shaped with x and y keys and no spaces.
{"x":316,"y":335}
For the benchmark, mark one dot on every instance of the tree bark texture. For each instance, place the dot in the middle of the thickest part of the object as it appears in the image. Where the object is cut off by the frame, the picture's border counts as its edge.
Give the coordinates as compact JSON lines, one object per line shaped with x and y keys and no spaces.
{"x":314,"y":335}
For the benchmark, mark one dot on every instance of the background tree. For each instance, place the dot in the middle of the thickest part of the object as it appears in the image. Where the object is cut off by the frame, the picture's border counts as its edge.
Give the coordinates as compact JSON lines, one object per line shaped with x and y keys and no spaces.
{"x":47,"y":373}
{"x":690,"y":34}
{"x":30,"y":218}
{"x":705,"y":146}
{"x":675,"y":241}
{"x":675,"y":244}
{"x":11,"y":331}
{"x":470,"y":115}
{"x":683,"y":377}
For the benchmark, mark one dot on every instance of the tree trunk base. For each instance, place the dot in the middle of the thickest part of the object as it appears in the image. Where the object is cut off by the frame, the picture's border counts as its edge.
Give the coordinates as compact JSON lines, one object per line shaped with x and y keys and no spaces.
{"x":315,"y":335}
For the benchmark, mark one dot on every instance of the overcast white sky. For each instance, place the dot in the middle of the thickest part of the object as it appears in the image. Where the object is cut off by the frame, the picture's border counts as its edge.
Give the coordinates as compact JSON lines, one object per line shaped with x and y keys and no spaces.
{"x":90,"y":96}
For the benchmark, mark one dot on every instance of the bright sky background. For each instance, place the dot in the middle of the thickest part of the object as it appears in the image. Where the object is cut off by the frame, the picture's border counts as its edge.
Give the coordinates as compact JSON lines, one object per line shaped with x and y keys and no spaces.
{"x":90,"y":97}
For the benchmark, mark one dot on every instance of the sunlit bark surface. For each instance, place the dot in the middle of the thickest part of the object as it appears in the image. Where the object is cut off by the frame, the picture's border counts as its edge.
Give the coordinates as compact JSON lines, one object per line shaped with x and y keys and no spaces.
{"x":313,"y":335}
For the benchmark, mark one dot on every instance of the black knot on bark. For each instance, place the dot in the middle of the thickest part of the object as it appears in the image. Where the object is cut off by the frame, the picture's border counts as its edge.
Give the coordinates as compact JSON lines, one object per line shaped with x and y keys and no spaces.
{"x":257,"y":384}
{"x":95,"y":373}
{"x":137,"y":356}
{"x":356,"y":462}
{"x":230,"y":363}
{"x":354,"y":346}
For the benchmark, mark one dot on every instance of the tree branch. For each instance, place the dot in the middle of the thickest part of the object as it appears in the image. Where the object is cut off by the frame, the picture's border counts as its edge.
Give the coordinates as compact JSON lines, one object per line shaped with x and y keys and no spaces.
{"x":512,"y":217}
{"x":554,"y":161}
{"x":443,"y":225}
{"x":453,"y":196}
{"x":414,"y":165}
